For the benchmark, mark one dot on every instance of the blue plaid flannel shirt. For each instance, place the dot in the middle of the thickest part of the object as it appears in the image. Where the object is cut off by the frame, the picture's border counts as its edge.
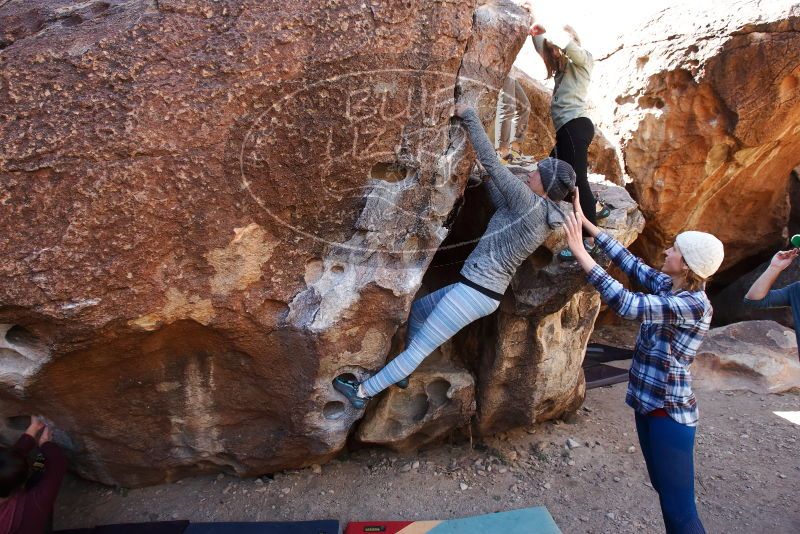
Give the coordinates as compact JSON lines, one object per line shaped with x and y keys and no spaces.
{"x":673,"y":326}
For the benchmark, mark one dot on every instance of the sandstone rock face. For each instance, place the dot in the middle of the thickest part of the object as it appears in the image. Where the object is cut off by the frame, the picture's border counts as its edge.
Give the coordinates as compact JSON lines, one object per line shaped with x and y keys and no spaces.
{"x":605,"y":158}
{"x":705,"y":102}
{"x":759,"y":356}
{"x":540,"y":138}
{"x":213,"y":208}
{"x":440,"y":399}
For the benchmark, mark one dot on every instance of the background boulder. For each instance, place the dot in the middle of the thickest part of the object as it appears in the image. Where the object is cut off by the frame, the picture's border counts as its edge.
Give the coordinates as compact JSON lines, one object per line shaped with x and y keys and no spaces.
{"x":759,"y":356}
{"x":704,"y":103}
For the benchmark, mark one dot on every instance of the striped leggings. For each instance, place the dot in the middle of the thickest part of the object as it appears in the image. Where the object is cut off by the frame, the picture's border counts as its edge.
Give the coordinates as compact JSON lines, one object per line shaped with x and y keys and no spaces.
{"x":434,"y":319}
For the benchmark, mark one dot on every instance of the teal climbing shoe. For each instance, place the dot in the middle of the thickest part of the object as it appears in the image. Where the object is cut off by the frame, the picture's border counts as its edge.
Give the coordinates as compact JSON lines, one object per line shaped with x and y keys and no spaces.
{"x":349,"y":389}
{"x":567,"y":255}
{"x":605,"y":210}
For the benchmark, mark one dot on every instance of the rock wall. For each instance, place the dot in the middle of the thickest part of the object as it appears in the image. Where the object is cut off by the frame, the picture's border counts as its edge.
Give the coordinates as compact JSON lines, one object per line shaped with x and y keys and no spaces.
{"x":216,"y":207}
{"x":705,"y":104}
{"x":212,"y":208}
{"x":439,"y":401}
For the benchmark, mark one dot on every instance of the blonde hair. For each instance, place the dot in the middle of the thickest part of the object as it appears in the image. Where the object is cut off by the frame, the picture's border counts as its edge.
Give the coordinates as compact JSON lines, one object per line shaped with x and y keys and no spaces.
{"x":693,"y":281}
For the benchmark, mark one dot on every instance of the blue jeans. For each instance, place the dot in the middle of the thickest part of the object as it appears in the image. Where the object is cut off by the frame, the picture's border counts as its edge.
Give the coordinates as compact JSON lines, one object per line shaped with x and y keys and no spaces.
{"x":668,"y":449}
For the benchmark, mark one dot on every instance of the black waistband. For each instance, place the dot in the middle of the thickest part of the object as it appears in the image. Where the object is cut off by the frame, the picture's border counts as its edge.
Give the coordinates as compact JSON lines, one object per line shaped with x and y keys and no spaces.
{"x":477,"y":287}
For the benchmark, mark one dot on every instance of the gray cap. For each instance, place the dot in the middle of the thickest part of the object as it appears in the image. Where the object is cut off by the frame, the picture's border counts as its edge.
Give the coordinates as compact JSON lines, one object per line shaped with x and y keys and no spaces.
{"x":558,"y":178}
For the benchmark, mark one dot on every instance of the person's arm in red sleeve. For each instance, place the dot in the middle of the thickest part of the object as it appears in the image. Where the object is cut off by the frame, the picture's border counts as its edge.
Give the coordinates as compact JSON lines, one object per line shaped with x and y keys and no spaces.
{"x":43,"y":494}
{"x":25,"y":444}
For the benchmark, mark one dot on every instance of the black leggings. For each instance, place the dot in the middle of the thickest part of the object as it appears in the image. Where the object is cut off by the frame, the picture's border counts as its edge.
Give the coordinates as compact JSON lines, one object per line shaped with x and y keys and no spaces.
{"x":572,"y":145}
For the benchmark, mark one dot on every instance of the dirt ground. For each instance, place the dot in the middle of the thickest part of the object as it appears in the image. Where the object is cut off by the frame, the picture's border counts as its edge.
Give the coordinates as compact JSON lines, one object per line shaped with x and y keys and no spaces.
{"x":748,"y":468}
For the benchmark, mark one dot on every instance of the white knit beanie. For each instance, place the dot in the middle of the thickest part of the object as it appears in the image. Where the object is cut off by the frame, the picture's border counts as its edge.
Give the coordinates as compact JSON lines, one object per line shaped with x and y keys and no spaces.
{"x":702,"y":252}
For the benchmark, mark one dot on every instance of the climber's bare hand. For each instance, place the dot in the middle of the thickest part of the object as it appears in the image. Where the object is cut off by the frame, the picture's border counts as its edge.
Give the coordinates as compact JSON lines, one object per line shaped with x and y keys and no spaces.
{"x":35,"y":426}
{"x":461,"y":109}
{"x":576,"y":205}
{"x":537,"y":29}
{"x":46,"y":436}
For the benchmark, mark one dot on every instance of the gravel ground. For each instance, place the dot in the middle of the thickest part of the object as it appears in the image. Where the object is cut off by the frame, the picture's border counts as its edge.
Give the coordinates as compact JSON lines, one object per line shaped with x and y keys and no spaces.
{"x":748,"y":467}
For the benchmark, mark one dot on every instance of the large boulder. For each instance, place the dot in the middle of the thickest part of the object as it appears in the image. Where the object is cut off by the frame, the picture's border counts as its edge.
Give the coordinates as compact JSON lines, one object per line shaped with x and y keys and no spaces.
{"x":758,"y":356}
{"x":704,"y":102}
{"x":439,"y":400}
{"x":213,"y":208}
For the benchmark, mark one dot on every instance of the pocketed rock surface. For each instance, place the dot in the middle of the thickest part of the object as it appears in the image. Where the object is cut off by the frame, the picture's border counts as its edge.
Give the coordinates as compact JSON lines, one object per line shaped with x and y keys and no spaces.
{"x":211,"y":209}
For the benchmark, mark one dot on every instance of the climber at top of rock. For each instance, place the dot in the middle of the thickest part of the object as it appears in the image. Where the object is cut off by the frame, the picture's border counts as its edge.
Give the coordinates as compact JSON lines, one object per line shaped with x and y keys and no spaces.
{"x":26,"y":502}
{"x":525,"y":215}
{"x":761,"y":296}
{"x":675,"y":315}
{"x":571,"y":66}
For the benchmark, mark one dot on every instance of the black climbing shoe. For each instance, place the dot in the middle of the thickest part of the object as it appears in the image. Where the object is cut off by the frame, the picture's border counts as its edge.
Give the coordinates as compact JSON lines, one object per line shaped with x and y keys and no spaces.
{"x":349,"y":389}
{"x":402,"y":384}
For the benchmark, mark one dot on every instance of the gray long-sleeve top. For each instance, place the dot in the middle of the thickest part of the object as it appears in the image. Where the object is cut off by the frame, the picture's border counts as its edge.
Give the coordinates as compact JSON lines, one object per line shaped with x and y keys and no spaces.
{"x":519,"y":224}
{"x":572,"y":85}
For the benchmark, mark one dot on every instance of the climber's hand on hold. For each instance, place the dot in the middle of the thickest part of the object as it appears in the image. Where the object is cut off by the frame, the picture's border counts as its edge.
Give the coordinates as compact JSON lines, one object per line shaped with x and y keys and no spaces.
{"x":35,"y":426}
{"x":537,"y":29}
{"x":461,"y":109}
{"x":45,"y":437}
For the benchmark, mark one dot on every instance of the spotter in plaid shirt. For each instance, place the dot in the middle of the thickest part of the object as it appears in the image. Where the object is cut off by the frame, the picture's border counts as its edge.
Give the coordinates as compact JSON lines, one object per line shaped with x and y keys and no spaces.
{"x":673,"y":326}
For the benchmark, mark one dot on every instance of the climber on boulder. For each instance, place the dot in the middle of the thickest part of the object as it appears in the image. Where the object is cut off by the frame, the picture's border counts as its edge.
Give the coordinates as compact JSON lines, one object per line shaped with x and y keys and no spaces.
{"x":526,"y":213}
{"x":675,"y":315}
{"x":570,"y":66}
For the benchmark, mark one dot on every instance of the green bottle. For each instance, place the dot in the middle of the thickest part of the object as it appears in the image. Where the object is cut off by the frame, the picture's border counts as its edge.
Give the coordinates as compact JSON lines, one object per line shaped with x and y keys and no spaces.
{"x":796,"y":240}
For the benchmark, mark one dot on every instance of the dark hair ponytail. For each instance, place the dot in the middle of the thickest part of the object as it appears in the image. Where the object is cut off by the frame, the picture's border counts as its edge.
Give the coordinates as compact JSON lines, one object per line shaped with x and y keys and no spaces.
{"x":13,"y":471}
{"x":555,"y":62}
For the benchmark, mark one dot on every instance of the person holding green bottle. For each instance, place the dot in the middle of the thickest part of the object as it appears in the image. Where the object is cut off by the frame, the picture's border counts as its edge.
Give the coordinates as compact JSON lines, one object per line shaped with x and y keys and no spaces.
{"x":762,"y":296}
